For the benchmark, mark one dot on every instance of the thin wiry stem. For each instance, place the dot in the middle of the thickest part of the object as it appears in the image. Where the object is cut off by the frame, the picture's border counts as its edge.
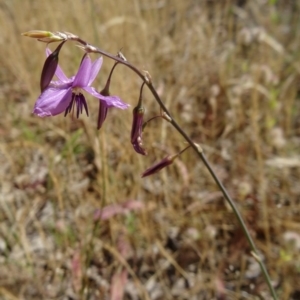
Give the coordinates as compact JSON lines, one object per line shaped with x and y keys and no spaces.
{"x":196,"y":147}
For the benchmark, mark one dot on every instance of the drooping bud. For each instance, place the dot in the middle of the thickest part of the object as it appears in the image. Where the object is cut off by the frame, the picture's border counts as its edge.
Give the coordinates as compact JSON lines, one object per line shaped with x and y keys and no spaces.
{"x":168,"y":160}
{"x":137,"y":125}
{"x":103,"y":108}
{"x":137,"y":129}
{"x":138,"y":146}
{"x":137,"y":122}
{"x":45,"y":36}
{"x":49,"y":67}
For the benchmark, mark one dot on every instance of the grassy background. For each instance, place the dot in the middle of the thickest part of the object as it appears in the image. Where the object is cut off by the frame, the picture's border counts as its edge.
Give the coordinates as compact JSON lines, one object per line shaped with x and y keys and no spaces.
{"x":229,"y":73}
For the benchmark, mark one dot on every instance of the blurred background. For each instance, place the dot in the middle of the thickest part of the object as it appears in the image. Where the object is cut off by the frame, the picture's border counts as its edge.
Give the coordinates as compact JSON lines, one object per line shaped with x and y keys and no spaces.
{"x":76,"y":219}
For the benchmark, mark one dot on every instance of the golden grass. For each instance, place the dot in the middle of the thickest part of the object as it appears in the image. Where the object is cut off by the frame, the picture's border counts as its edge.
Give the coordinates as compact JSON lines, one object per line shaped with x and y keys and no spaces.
{"x":230,"y":76}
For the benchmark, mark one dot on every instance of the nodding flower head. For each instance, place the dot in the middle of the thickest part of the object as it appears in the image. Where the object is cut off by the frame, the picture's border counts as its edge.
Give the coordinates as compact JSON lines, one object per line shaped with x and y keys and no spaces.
{"x":65,"y":93}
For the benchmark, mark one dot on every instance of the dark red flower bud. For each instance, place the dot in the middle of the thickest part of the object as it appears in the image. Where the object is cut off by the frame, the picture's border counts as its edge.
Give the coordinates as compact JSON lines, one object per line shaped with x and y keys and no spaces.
{"x":103,"y":108}
{"x":137,"y":130}
{"x":168,"y":160}
{"x":137,"y":123}
{"x":49,"y":68}
{"x":138,"y":146}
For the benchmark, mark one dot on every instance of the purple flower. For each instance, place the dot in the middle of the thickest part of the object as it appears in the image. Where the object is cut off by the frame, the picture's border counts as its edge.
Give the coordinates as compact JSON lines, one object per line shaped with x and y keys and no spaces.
{"x":61,"y":96}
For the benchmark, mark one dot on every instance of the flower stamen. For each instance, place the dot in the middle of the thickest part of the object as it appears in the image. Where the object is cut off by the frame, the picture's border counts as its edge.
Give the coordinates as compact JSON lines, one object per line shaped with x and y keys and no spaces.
{"x":79,"y":101}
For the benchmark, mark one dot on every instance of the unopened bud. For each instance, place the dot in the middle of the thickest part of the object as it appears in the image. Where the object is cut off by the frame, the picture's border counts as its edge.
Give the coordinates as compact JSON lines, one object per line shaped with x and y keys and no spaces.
{"x":103,"y":108}
{"x":49,"y":68}
{"x":44,"y":36}
{"x":138,"y":146}
{"x":137,"y":129}
{"x":168,"y":160}
{"x":137,"y":122}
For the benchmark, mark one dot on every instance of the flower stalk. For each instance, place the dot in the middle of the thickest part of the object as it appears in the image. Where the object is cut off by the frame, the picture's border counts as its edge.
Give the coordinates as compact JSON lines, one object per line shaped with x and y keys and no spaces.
{"x":199,"y":151}
{"x":202,"y":157}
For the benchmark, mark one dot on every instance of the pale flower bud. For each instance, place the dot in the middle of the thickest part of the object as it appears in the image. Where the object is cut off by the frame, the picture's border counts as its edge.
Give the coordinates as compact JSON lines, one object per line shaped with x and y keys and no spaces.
{"x":44,"y":36}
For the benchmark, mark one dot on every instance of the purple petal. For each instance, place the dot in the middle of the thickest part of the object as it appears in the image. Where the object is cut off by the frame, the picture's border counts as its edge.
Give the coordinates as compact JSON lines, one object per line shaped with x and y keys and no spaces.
{"x":48,"y":52}
{"x":115,"y":101}
{"x":52,"y":101}
{"x":82,"y":77}
{"x":61,"y":75}
{"x":111,"y":101}
{"x":59,"y":72}
{"x":95,"y":69}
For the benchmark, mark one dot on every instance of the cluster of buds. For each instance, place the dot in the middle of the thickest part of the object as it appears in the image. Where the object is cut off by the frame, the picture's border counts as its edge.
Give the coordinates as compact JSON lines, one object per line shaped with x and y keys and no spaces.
{"x":65,"y":95}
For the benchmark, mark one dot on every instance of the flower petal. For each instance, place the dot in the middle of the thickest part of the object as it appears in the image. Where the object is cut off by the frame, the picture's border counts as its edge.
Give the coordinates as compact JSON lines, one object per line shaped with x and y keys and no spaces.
{"x":48,"y":52}
{"x":115,"y":101}
{"x":111,"y":101}
{"x":82,"y":77}
{"x":61,"y":75}
{"x":52,"y":101}
{"x":95,"y":69}
{"x":59,"y":72}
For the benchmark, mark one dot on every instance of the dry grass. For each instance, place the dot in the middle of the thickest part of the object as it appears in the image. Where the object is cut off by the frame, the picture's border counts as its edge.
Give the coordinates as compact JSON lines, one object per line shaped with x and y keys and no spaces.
{"x":230,"y":76}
